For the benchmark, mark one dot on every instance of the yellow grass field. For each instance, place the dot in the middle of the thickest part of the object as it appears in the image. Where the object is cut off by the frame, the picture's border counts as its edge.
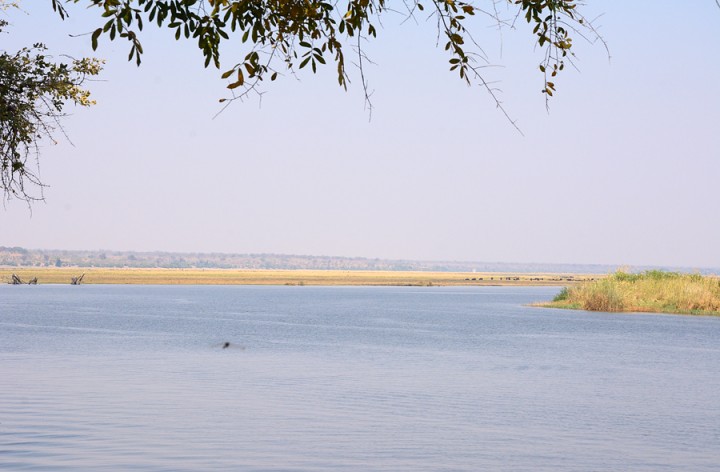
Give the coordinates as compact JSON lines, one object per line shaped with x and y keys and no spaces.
{"x":63,"y":275}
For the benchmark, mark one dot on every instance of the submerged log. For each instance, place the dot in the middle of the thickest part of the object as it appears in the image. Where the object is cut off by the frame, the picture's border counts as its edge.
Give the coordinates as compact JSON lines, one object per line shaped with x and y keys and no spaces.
{"x":16,"y":280}
{"x":76,"y":280}
{"x":32,"y":281}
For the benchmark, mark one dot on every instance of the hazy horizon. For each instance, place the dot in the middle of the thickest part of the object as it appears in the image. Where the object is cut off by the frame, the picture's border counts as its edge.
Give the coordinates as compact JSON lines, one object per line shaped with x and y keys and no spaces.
{"x":387,"y":264}
{"x":623,"y":171}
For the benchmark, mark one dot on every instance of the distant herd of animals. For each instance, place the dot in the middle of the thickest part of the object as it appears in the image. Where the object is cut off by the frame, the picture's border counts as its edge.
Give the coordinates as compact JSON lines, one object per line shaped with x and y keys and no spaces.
{"x":538,"y":279}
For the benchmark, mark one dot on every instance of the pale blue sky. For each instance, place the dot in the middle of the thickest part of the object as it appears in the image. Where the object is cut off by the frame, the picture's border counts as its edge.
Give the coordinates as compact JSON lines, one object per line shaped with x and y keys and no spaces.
{"x":623,"y":170}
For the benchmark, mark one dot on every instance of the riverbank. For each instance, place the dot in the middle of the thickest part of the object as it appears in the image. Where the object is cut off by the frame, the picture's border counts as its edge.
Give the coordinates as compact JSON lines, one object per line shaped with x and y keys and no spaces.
{"x":157,"y":276}
{"x":651,"y":291}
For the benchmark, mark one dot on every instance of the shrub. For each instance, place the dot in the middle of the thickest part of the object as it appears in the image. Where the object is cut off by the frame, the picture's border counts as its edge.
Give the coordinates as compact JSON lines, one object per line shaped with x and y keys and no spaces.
{"x":622,"y":276}
{"x":563,"y":295}
{"x":660,"y":275}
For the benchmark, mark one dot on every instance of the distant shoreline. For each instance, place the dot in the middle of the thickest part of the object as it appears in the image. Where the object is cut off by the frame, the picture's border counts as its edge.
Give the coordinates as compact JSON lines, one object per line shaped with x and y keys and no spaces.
{"x":160,"y":276}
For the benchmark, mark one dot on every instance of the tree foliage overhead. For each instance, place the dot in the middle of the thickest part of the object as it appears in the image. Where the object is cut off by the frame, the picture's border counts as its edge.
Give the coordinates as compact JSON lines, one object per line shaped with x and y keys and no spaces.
{"x":34,"y":90}
{"x":279,"y":36}
{"x":287,"y":35}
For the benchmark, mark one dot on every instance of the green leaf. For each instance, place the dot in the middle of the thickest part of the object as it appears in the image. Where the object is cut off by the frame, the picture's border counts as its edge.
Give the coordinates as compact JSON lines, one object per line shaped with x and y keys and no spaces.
{"x":96,"y":34}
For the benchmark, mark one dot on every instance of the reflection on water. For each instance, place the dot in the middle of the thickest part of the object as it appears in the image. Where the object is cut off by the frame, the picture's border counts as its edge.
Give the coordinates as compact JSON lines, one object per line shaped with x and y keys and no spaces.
{"x":133,"y":377}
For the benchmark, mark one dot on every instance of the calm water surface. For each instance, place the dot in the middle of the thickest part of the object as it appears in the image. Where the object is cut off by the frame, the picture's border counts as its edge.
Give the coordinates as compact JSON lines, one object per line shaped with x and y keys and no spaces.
{"x":349,"y":378}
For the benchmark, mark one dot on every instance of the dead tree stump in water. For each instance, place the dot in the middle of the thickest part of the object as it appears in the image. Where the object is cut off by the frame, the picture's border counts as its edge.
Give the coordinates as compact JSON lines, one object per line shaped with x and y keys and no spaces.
{"x":16,"y":280}
{"x":32,"y":281}
{"x":76,"y":280}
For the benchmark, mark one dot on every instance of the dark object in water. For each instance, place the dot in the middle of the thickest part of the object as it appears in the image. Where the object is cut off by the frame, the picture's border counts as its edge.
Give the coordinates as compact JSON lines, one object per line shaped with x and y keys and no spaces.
{"x":76,"y":280}
{"x":15,"y":280}
{"x":226,"y":345}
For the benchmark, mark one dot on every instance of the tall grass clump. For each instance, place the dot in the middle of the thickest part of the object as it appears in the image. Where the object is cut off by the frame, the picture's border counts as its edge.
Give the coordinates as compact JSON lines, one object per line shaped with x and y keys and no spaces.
{"x":649,"y":291}
{"x":601,"y":295}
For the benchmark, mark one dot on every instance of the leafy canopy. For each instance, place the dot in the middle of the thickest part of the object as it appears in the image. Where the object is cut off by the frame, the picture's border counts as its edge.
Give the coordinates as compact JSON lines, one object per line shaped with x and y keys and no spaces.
{"x":279,"y":35}
{"x":34,"y":90}
{"x":285,"y":35}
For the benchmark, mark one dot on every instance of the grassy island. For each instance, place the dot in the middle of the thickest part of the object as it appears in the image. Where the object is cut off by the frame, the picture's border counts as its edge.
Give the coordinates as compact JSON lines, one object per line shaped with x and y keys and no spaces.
{"x":652,"y":291}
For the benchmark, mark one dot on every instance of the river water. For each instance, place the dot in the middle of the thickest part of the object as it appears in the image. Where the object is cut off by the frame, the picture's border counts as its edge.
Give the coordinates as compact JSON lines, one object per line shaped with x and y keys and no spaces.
{"x":349,"y":378}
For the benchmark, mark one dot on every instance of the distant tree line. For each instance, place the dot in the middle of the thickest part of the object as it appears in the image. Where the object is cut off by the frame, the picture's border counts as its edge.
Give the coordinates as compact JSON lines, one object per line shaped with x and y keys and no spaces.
{"x":20,"y":257}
